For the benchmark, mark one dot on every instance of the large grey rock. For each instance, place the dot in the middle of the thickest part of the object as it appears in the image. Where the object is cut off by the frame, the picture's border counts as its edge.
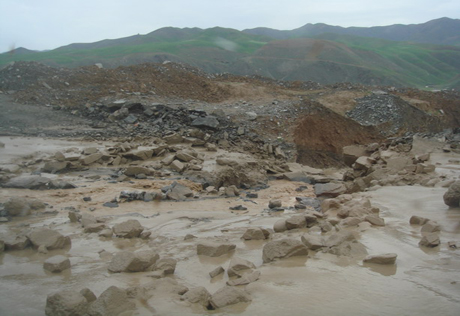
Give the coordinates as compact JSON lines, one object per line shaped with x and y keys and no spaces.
{"x":329,"y":190}
{"x":296,"y":221}
{"x":213,"y":249}
{"x":199,"y":295}
{"x":387,"y":258}
{"x":55,"y":166}
{"x":177,"y":166}
{"x":280,"y":226}
{"x":32,"y":182}
{"x":127,"y":261}
{"x":179,"y":192}
{"x":66,"y":303}
{"x":48,"y":238}
{"x":229,"y":295}
{"x":256,"y":234}
{"x":312,"y":242}
{"x":283,"y":248}
{"x":430,"y":240}
{"x":56,"y":264}
{"x":238,"y":265}
{"x":20,"y":206}
{"x":128,"y":229}
{"x":274,"y":203}
{"x":113,"y":301}
{"x":18,"y":242}
{"x":208,"y":121}
{"x":452,"y":196}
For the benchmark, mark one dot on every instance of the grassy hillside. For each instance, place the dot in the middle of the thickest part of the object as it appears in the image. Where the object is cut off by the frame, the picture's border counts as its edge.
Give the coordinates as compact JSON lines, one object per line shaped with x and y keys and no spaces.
{"x":327,"y":58}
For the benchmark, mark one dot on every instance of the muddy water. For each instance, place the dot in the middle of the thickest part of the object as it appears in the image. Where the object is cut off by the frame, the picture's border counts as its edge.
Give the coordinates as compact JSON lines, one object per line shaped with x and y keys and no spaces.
{"x":423,"y":282}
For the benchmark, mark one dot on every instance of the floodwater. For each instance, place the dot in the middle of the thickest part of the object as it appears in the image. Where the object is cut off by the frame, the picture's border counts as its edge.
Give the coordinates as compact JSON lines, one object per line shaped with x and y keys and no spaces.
{"x":422,"y":282}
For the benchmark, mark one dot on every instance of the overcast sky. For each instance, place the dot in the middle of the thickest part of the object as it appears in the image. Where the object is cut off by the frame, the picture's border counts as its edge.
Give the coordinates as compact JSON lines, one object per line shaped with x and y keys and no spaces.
{"x":48,"y":24}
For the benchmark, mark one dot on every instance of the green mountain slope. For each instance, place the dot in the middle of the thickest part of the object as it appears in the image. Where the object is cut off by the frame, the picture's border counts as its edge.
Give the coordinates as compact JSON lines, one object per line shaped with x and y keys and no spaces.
{"x":326,"y":58}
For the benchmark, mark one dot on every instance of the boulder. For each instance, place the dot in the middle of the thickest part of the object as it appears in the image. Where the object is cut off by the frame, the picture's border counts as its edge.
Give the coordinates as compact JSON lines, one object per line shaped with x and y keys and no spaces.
{"x":430,"y":227}
{"x":312,"y":242}
{"x":113,"y":301}
{"x":329,"y":190}
{"x":280,"y":226}
{"x":238,"y":265}
{"x":66,"y":303}
{"x":452,"y":196}
{"x":55,"y":166}
{"x":127,"y":261}
{"x":136,"y":170}
{"x":18,"y":206}
{"x":430,"y":240}
{"x":32,"y":182}
{"x":352,"y":153}
{"x":274,"y":203}
{"x":350,"y":221}
{"x":108,"y":232}
{"x":245,"y":279}
{"x":417,"y":220}
{"x":198,"y":295}
{"x":56,"y":264}
{"x":165,"y":265}
{"x":310,"y":202}
{"x":375,"y":220}
{"x":95,"y":228}
{"x":338,"y":238}
{"x":177,"y":166}
{"x":88,"y":294}
{"x":19,"y":242}
{"x":207,"y":122}
{"x":87,"y":160}
{"x":213,"y":249}
{"x":387,"y":258}
{"x":363,"y":163}
{"x":179,"y":192}
{"x":296,"y":221}
{"x":216,"y":271}
{"x":128,"y":229}
{"x":48,"y":238}
{"x":256,"y":234}
{"x":229,"y":295}
{"x":283,"y":248}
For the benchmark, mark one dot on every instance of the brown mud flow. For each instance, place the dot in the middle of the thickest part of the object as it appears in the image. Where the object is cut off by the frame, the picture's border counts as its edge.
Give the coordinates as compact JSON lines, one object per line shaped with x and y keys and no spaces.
{"x":162,"y":190}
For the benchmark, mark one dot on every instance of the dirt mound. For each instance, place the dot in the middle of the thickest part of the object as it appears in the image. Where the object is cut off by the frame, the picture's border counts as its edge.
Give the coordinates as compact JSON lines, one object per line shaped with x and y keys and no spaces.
{"x":321,"y":134}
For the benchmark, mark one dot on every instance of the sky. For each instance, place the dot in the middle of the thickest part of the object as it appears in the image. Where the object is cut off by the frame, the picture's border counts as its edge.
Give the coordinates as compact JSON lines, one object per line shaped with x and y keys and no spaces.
{"x":48,"y":24}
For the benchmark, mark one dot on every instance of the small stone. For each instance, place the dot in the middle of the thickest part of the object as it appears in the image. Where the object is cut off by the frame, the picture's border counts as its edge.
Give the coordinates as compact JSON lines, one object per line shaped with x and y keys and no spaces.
{"x":431,"y":227}
{"x":388,"y":258}
{"x":274,"y":204}
{"x":430,"y":240}
{"x":216,"y":271}
{"x":375,"y":220}
{"x":280,"y":226}
{"x":417,"y":220}
{"x":57,"y":264}
{"x":212,"y":249}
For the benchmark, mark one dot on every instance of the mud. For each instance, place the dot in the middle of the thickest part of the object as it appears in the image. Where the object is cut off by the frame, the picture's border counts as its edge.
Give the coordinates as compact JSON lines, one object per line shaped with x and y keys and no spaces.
{"x":423,"y":281}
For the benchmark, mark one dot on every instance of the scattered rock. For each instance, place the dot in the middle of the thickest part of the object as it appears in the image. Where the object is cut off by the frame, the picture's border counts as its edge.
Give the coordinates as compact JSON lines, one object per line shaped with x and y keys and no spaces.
{"x":452,"y":196}
{"x":280,"y":226}
{"x":274,"y":204}
{"x":329,"y":190}
{"x":127,"y":261}
{"x":113,"y":301}
{"x":256,"y":234}
{"x":387,"y":258}
{"x":238,"y":265}
{"x":216,"y":271}
{"x":213,"y":249}
{"x":375,"y":220}
{"x":430,"y":227}
{"x":296,"y":221}
{"x":57,"y":264}
{"x":430,"y":240}
{"x":312,"y":242}
{"x":417,"y":220}
{"x":19,"y":242}
{"x":166,"y":265}
{"x":283,"y":248}
{"x":128,"y":229}
{"x":229,"y":295}
{"x":66,"y":303}
{"x":49,"y":238}
{"x":245,"y":279}
{"x":199,"y":295}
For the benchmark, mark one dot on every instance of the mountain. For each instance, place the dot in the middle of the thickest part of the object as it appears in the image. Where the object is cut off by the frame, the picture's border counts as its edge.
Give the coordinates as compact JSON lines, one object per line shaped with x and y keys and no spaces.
{"x":443,"y":31}
{"x":323,"y":56}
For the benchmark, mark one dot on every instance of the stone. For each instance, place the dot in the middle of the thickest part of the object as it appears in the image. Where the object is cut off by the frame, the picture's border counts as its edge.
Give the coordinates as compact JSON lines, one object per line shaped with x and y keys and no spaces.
{"x":229,"y":295}
{"x":217,"y":271}
{"x":398,"y":163}
{"x":329,"y":190}
{"x":296,"y":221}
{"x":56,"y":264}
{"x":280,"y":226}
{"x":430,"y":240}
{"x":387,"y":258}
{"x":90,"y":151}
{"x":87,"y":219}
{"x":338,"y":238}
{"x":198,"y":295}
{"x":348,"y":248}
{"x":95,"y":228}
{"x":113,"y":301}
{"x":213,"y":249}
{"x":283,"y":248}
{"x":127,"y":261}
{"x":179,"y":192}
{"x":66,"y":303}
{"x":299,"y":176}
{"x":17,"y":206}
{"x":177,"y":166}
{"x":352,"y":153}
{"x":16,"y":242}
{"x":375,"y":220}
{"x":312,"y":242}
{"x":417,"y":220}
{"x":325,"y":226}
{"x":136,"y":170}
{"x":310,"y":202}
{"x":32,"y":182}
{"x":55,"y":166}
{"x":274,"y":203}
{"x":166,"y":265}
{"x":245,"y":278}
{"x":185,"y":156}
{"x":256,"y":234}
{"x":74,"y":216}
{"x":251,"y":116}
{"x":238,"y":265}
{"x":430,"y":227}
{"x":49,"y":238}
{"x":2,"y":246}
{"x":106,"y":233}
{"x":424,"y":168}
{"x":207,"y":122}
{"x":87,"y":160}
{"x":173,"y":138}
{"x":363,"y":163}
{"x":350,"y":221}
{"x":128,"y":229}
{"x":452,"y":196}
{"x":88,"y":294}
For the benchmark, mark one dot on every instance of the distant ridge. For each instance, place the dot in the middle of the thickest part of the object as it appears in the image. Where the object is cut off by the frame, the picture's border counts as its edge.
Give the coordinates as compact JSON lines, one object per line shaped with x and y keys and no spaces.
{"x":443,"y":31}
